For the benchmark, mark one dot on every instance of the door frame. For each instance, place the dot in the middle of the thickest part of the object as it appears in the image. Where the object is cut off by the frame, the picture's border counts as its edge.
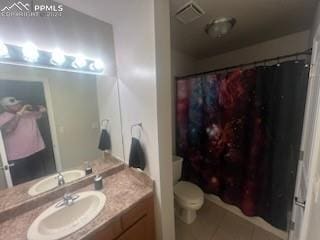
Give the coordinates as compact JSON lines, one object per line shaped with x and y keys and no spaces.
{"x":4,"y":161}
{"x":313,"y":122}
{"x":14,"y":76}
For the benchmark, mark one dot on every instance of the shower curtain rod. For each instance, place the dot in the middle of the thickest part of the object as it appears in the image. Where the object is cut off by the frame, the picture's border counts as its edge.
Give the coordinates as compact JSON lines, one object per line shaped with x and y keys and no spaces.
{"x":306,"y":52}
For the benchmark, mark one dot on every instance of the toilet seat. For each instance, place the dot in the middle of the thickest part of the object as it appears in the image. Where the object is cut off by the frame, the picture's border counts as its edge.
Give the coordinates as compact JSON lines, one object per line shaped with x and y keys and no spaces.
{"x":188,"y":194}
{"x":188,"y":197}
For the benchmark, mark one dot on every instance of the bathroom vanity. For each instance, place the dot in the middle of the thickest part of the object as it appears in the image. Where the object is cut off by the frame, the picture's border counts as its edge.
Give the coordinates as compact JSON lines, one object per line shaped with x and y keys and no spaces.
{"x":136,"y":223}
{"x":18,"y":198}
{"x":127,"y":213}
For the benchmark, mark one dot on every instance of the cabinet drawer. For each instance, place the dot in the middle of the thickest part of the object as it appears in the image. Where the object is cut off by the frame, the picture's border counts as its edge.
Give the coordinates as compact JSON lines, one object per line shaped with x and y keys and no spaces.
{"x":136,"y":232}
{"x":111,"y":231}
{"x":134,"y":214}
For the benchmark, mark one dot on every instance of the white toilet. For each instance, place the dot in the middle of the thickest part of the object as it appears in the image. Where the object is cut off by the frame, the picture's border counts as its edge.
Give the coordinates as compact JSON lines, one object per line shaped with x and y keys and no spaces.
{"x":188,"y":197}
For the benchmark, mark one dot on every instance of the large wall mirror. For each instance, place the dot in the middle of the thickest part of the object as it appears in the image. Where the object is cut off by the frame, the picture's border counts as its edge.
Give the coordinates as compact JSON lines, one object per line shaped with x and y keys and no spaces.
{"x":52,"y":120}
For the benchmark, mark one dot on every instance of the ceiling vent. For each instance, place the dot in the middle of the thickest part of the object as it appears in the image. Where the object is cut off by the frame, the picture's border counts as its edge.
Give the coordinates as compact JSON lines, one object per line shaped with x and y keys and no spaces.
{"x":189,"y":12}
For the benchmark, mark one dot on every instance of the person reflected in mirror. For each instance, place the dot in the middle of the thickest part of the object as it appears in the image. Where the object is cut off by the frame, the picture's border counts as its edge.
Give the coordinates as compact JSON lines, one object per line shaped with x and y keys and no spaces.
{"x":23,"y":142}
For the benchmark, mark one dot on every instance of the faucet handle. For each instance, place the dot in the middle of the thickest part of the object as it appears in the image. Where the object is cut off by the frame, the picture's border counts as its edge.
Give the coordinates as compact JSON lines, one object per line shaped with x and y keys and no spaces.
{"x":75,"y":196}
{"x":67,"y":196}
{"x":60,"y":178}
{"x":59,"y":175}
{"x":68,"y":199}
{"x":61,"y":202}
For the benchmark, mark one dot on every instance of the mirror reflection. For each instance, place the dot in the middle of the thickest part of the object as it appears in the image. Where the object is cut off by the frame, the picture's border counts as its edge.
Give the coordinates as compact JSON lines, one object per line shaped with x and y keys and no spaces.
{"x":25,"y":128}
{"x":50,"y":122}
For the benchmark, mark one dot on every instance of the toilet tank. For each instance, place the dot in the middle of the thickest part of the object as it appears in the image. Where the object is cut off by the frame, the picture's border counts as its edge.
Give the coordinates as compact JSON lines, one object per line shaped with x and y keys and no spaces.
{"x":177,"y":168}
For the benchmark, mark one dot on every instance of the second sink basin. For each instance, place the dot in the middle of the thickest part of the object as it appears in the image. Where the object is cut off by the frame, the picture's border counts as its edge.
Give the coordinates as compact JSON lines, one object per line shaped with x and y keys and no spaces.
{"x":59,"y":221}
{"x":51,"y":182}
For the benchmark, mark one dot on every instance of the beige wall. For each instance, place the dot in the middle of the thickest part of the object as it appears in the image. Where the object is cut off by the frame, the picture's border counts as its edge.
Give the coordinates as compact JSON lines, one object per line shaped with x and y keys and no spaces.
{"x":76,"y":115}
{"x":164,"y":112}
{"x":315,"y":25}
{"x":280,"y":46}
{"x":141,"y":93}
{"x":109,"y":108}
{"x":182,"y":64}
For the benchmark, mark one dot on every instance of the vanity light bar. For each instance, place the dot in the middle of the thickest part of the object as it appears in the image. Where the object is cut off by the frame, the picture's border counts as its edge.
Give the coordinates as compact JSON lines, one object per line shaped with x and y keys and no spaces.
{"x":28,"y":55}
{"x":4,"y":52}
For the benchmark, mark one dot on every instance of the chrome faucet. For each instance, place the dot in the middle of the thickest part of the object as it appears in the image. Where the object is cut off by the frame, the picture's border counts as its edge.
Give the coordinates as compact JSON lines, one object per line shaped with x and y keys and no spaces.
{"x":68,"y":200}
{"x":60,"y":179}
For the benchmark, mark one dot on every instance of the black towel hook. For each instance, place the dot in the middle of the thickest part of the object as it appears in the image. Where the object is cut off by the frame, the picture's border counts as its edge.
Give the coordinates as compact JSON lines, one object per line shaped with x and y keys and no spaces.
{"x":104,"y":123}
{"x":136,"y":125}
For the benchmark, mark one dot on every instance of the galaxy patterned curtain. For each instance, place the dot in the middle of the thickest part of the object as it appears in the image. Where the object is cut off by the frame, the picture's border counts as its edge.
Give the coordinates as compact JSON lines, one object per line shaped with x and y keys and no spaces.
{"x":239,"y":134}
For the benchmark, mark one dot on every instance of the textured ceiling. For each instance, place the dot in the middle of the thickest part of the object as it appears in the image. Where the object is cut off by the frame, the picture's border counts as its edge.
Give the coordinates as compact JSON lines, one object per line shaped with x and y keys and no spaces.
{"x":257,"y":21}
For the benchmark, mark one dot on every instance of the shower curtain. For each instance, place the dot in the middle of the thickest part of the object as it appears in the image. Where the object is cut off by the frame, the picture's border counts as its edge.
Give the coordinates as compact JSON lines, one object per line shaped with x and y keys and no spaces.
{"x":239,"y":134}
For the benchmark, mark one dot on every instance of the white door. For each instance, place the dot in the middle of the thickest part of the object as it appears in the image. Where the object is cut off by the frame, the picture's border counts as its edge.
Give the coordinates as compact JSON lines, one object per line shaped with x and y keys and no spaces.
{"x":306,"y":177}
{"x":4,"y":165}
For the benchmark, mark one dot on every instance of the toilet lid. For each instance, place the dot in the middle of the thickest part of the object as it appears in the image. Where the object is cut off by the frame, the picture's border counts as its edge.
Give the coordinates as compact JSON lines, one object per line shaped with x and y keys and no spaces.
{"x":188,"y":192}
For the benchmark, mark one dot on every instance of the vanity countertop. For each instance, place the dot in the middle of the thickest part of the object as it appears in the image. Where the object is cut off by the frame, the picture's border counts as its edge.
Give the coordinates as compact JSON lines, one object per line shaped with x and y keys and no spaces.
{"x":122,"y":190}
{"x":14,"y":199}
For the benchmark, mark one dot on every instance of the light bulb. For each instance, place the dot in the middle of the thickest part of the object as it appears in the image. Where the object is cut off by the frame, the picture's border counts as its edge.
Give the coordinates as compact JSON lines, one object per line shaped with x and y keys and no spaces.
{"x":97,"y":65}
{"x":57,"y":57}
{"x":219,"y":27}
{"x":4,"y":53}
{"x":79,"y":62}
{"x":30,"y":52}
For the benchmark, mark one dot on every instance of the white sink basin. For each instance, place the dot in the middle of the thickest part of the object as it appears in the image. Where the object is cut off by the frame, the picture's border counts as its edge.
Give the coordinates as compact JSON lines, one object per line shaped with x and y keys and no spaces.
{"x":58,"y":222}
{"x":51,"y":182}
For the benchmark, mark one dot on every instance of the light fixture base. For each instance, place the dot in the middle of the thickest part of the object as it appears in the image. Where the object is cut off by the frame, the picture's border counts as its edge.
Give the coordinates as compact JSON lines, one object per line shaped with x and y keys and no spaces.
{"x":221,"y":26}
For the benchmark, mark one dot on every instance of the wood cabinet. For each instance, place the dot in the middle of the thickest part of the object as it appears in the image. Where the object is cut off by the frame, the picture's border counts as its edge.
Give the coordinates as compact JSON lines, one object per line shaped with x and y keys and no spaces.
{"x":135,"y":224}
{"x":137,"y":231}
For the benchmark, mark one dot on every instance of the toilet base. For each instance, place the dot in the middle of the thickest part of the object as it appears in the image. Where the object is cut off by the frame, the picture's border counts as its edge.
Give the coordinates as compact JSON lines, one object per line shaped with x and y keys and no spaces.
{"x":185,"y":215}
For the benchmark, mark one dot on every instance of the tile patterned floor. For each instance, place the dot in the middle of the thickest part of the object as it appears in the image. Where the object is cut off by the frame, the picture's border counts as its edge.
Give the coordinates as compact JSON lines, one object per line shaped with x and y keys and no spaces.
{"x":216,"y":223}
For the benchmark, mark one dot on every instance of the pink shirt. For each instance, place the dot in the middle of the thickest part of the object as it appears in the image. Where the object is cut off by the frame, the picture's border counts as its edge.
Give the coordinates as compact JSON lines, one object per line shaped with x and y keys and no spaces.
{"x":25,"y":139}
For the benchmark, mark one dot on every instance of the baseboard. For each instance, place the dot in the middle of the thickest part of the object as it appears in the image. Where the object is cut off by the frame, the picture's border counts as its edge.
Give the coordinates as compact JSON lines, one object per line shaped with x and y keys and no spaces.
{"x":254,"y":220}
